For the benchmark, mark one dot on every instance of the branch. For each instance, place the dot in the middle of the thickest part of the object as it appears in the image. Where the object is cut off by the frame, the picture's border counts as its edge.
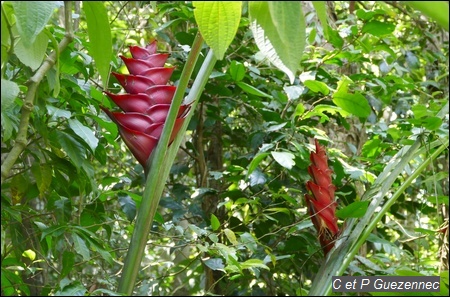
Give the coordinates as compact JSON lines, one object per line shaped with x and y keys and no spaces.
{"x":28,"y":105}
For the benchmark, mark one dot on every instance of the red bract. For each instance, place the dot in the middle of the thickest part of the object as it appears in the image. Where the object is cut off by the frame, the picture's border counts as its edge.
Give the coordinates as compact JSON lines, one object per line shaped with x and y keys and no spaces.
{"x":147,"y":102}
{"x":320,"y":199}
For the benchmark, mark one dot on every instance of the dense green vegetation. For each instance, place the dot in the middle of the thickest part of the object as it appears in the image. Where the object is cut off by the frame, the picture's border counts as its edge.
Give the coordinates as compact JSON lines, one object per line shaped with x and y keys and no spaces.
{"x":368,"y":80}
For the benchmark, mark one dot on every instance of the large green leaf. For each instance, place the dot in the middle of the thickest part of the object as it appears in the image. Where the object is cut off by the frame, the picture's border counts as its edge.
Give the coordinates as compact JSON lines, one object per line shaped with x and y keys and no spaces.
{"x":100,"y":43}
{"x":32,"y":54}
{"x":321,"y":11}
{"x":218,"y":23}
{"x":9,"y":92}
{"x":437,"y":10}
{"x":279,"y":31}
{"x":32,"y":16}
{"x":377,"y":28}
{"x":355,"y":104}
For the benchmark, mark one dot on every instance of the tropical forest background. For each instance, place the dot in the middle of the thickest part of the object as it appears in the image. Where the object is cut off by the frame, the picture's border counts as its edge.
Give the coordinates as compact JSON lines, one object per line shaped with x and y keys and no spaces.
{"x":369,"y":80}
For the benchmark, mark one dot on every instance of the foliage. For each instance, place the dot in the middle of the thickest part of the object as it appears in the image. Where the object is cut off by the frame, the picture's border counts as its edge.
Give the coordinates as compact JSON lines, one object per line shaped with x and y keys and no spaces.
{"x":232,"y":218}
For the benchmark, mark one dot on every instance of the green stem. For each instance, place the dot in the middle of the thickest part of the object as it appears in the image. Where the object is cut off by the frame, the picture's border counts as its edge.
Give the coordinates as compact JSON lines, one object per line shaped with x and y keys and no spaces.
{"x":158,"y":166}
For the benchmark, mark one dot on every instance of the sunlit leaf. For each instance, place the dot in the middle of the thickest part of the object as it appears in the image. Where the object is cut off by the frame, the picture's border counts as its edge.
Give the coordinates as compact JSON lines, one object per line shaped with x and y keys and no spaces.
{"x":215,"y":223}
{"x":355,"y":104}
{"x":32,"y":16}
{"x":218,"y":22}
{"x":317,"y":86}
{"x":100,"y":42}
{"x":354,"y":210}
{"x":252,"y":90}
{"x":30,"y":254}
{"x":285,"y":159}
{"x":279,"y":31}
{"x":230,"y":235}
{"x":32,"y":55}
{"x":437,"y":10}
{"x":321,"y":11}
{"x":378,"y":28}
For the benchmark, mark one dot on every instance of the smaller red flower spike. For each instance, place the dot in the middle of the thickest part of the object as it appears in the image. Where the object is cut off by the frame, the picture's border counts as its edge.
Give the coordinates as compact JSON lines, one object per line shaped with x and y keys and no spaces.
{"x":147,"y":102}
{"x":320,"y":199}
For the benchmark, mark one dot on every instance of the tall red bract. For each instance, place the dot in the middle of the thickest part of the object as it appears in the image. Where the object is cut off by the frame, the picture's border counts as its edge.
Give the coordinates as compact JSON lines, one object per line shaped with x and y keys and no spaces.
{"x":146,"y":103}
{"x":320,"y":199}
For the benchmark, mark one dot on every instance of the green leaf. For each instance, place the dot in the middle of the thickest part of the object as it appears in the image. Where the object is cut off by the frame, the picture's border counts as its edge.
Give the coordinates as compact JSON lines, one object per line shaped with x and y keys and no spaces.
{"x":43,"y":175}
{"x":74,"y":289}
{"x":128,"y":206}
{"x":355,"y":104}
{"x":317,"y":86}
{"x":437,"y":10}
{"x":255,"y":162}
{"x":81,"y":247}
{"x":432,"y":123}
{"x":7,"y":286}
{"x":72,"y":147}
{"x":56,"y":113}
{"x":9,"y":92}
{"x":285,"y":159}
{"x":32,"y":55}
{"x":334,"y":38}
{"x":215,"y":224}
{"x":252,"y":90}
{"x":30,"y":254}
{"x":378,"y":28}
{"x":231,"y":236}
{"x":279,"y":31}
{"x":100,"y":42}
{"x":68,"y":260}
{"x":218,"y":23}
{"x":32,"y":16}
{"x":215,"y":264}
{"x":419,"y":111}
{"x":251,"y":263}
{"x":354,"y":210}
{"x":249,"y":241}
{"x":237,"y":71}
{"x":321,"y":11}
{"x":84,"y":132}
{"x":257,"y":178}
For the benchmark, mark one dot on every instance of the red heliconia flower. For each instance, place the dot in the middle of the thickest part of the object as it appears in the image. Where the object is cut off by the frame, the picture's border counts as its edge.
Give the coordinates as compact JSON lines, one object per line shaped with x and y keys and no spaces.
{"x":147,"y":102}
{"x":320,"y":199}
